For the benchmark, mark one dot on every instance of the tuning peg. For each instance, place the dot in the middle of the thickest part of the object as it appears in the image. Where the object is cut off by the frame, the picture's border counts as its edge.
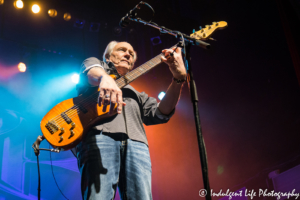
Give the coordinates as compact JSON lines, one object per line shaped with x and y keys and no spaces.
{"x":212,"y":39}
{"x":193,"y":30}
{"x":200,"y":27}
{"x":216,"y":23}
{"x":207,"y":26}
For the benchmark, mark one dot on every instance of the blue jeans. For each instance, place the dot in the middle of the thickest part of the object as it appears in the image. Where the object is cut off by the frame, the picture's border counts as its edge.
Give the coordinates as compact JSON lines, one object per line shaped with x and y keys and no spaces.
{"x":108,"y":161}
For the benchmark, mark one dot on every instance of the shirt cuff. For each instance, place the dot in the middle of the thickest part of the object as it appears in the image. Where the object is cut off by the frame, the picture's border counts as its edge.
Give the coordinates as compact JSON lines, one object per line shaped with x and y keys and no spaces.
{"x":163,"y":116}
{"x":91,"y":66}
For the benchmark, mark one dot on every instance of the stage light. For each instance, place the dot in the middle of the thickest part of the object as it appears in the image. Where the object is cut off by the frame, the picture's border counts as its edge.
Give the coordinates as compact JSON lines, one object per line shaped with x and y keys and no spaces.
{"x":117,"y":31}
{"x":18,"y":4}
{"x":161,"y":95}
{"x":156,"y":40}
{"x":1,"y":2}
{"x":67,"y":16}
{"x":52,"y":13}
{"x":35,"y":8}
{"x":22,"y":67}
{"x":75,"y":78}
{"x":79,"y":23}
{"x":94,"y":27}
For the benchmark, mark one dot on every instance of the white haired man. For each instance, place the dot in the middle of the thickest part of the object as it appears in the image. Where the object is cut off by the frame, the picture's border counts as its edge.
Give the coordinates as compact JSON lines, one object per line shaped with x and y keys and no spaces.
{"x":115,"y":152}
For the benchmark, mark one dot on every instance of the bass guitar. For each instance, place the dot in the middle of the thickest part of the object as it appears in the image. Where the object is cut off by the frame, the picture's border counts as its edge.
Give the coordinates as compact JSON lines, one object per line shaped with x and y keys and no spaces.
{"x":67,"y":122}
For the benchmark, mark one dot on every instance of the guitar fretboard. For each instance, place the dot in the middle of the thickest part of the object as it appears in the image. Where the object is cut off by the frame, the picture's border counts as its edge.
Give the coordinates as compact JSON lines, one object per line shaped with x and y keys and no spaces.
{"x":137,"y":72}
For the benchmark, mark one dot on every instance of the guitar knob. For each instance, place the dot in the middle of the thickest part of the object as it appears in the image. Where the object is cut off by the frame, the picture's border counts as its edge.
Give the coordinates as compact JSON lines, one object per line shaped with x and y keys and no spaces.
{"x":62,"y":131}
{"x":73,"y":126}
{"x":61,"y":139}
{"x":72,"y":133}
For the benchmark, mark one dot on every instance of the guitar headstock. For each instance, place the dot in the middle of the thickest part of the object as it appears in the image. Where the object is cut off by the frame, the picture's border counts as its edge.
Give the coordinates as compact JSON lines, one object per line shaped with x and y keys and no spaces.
{"x":206,"y":32}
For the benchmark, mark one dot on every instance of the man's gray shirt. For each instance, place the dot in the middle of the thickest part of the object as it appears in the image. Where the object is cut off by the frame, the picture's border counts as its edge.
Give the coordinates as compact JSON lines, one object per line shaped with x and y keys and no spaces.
{"x":139,"y":109}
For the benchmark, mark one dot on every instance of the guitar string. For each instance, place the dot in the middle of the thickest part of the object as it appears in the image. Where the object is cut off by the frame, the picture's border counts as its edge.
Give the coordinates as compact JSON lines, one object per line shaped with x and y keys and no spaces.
{"x":121,"y":82}
{"x":75,"y":110}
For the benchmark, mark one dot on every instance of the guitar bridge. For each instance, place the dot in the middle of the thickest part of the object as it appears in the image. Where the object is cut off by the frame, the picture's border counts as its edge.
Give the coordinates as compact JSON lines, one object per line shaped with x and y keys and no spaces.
{"x":52,"y":126}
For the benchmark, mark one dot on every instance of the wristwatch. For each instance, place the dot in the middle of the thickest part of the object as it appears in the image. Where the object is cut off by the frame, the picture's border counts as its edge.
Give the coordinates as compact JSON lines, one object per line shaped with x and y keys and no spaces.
{"x":178,"y":81}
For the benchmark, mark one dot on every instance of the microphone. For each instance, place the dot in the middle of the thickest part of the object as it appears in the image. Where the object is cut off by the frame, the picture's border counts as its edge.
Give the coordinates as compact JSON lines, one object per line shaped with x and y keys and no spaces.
{"x":132,"y":14}
{"x":124,"y":22}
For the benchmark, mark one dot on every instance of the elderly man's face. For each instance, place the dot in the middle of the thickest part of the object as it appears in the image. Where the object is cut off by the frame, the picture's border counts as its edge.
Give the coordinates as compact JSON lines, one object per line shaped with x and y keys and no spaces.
{"x":122,"y":57}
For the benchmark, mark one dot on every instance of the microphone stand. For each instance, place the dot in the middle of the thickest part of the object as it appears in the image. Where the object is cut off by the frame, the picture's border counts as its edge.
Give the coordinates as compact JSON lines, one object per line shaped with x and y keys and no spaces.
{"x":193,"y":93}
{"x":36,"y":149}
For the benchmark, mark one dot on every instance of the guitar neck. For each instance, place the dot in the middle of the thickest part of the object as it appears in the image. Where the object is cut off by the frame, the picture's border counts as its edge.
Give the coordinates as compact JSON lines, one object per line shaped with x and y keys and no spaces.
{"x":137,"y":72}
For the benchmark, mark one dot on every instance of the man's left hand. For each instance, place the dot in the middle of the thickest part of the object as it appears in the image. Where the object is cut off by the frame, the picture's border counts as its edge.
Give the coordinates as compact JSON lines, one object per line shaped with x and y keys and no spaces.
{"x":175,"y":63}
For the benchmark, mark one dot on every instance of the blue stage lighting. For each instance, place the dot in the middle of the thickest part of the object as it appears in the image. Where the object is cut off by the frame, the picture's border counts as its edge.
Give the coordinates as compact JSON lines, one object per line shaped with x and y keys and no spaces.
{"x":75,"y":78}
{"x":161,"y":95}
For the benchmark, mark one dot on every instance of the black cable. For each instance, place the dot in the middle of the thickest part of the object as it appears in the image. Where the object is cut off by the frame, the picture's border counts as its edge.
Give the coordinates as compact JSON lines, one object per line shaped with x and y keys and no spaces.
{"x":153,"y":12}
{"x":54,"y":176}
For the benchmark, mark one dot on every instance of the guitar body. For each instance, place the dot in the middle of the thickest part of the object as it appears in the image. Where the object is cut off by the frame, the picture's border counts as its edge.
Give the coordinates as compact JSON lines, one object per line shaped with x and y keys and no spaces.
{"x":67,"y":122}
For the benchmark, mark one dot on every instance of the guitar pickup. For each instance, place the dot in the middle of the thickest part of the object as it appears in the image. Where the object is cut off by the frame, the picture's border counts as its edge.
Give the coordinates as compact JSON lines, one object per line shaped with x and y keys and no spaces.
{"x":66,"y":118}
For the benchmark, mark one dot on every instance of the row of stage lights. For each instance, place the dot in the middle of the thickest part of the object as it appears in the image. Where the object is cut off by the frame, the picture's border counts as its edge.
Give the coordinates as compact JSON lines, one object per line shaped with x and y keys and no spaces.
{"x":19,"y":4}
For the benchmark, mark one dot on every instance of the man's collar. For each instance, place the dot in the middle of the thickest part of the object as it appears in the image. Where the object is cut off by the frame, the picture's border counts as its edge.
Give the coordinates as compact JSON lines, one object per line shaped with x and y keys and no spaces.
{"x":112,"y":69}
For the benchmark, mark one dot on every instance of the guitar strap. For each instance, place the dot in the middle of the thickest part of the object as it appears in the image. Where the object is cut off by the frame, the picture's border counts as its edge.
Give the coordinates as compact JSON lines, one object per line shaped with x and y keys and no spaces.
{"x":112,"y":70}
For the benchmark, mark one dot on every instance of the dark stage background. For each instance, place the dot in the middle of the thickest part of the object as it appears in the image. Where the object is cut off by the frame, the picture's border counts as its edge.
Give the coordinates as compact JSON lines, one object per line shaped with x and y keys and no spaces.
{"x":249,"y":97}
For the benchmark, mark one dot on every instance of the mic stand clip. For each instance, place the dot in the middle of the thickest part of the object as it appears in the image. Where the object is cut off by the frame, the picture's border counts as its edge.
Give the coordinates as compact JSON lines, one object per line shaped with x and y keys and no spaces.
{"x":36,"y":146}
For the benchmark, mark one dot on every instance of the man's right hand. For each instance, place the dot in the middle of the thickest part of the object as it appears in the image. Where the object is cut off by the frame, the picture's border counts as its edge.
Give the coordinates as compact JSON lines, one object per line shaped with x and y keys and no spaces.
{"x":109,"y":92}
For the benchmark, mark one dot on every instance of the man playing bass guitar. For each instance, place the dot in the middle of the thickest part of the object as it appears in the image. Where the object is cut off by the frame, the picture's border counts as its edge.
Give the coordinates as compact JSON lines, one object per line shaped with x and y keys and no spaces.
{"x":114,"y":153}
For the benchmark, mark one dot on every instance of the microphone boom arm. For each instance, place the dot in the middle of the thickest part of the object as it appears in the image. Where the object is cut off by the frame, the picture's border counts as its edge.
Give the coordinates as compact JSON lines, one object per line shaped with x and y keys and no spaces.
{"x":174,"y":33}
